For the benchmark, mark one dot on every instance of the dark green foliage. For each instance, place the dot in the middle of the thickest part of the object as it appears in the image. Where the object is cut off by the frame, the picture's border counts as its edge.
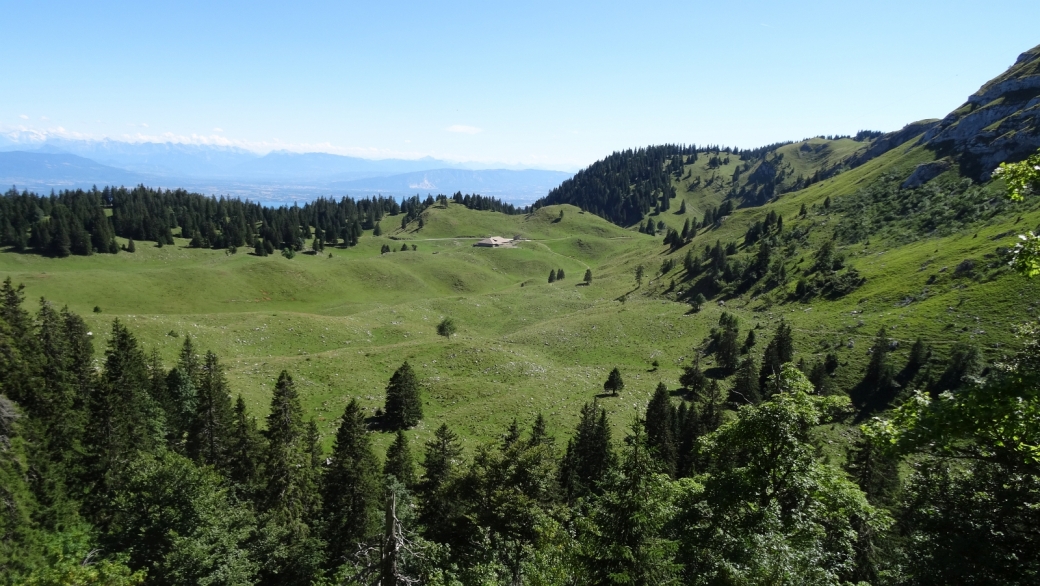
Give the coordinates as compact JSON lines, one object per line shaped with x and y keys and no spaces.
{"x":209,"y":436}
{"x":660,"y":429}
{"x":876,"y":390}
{"x":291,"y":490}
{"x":623,"y":539}
{"x":174,"y":519}
{"x":442,"y":460}
{"x":778,"y":352}
{"x":745,"y":384}
{"x":552,"y":275}
{"x":614,"y":383}
{"x":399,"y":462}
{"x":122,"y":417}
{"x":767,"y":504}
{"x":403,"y":407}
{"x":446,"y":328}
{"x":351,"y":487}
{"x":623,"y":187}
{"x":692,"y":379}
{"x":964,"y":363}
{"x":588,"y":277}
{"x":589,"y":454}
{"x":245,"y":452}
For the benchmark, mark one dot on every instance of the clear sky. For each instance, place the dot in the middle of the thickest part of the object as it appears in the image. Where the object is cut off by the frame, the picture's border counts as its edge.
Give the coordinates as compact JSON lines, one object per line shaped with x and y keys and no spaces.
{"x":552,"y":84}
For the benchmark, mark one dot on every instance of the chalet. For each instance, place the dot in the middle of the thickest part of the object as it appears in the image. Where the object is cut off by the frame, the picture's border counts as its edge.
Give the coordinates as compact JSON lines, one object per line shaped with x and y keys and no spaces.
{"x":494,"y":242}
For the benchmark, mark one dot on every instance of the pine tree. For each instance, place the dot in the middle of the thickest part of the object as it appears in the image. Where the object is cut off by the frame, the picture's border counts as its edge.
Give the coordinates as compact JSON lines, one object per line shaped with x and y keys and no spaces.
{"x":660,"y":424}
{"x":588,"y":277}
{"x":552,"y":276}
{"x":403,"y":407}
{"x":559,"y":274}
{"x":399,"y":462}
{"x":614,"y":383}
{"x":351,"y":494}
{"x":377,"y":231}
{"x":130,"y":247}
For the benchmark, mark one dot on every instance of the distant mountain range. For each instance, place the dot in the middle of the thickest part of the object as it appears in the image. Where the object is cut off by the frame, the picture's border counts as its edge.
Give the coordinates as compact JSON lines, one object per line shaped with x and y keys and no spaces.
{"x":277,"y":177}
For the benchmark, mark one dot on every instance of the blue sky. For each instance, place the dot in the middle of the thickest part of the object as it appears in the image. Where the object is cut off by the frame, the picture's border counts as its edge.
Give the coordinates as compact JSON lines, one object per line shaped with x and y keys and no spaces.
{"x":545,"y":84}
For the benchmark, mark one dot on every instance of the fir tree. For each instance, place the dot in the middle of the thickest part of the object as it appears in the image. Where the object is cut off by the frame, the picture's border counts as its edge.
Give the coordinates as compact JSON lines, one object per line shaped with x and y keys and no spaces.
{"x":692,"y":379}
{"x":245,"y":452}
{"x":614,"y":383}
{"x":399,"y":462}
{"x":589,"y":454}
{"x":588,"y":277}
{"x":559,"y":274}
{"x":403,"y":407}
{"x":351,"y":494}
{"x":660,"y":428}
{"x":745,"y":384}
{"x":779,"y":351}
{"x":291,"y":491}
{"x":209,"y":435}
{"x":552,"y":275}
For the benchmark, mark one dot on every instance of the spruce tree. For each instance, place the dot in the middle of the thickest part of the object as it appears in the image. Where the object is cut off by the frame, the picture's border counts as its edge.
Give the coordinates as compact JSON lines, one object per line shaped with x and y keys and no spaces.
{"x":291,"y":491}
{"x":588,"y":277}
{"x":779,"y":351}
{"x":875,"y":390}
{"x":245,"y":452}
{"x":442,"y":458}
{"x":692,"y":379}
{"x":614,"y":383}
{"x":399,"y":462}
{"x":209,"y":435}
{"x":660,"y":423}
{"x":123,"y":419}
{"x":403,"y":407}
{"x":552,"y":276}
{"x":745,"y":384}
{"x":589,"y":455}
{"x":351,"y":494}
{"x":559,"y":274}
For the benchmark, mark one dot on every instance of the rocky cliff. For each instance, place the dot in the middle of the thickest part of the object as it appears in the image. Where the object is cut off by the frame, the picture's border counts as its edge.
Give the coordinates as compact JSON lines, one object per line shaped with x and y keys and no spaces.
{"x":997,"y":123}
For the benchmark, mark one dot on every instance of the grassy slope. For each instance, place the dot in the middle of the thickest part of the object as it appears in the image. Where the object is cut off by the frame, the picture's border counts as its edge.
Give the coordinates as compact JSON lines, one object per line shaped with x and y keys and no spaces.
{"x":341,"y":325}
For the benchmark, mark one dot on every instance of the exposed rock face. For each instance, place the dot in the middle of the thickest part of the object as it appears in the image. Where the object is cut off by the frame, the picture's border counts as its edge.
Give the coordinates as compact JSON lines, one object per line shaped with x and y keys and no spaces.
{"x":999,"y":122}
{"x":925,"y":172}
{"x":891,"y":140}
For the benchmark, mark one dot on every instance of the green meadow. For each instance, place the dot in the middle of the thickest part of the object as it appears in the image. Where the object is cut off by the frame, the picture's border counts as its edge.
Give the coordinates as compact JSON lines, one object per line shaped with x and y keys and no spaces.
{"x":341,"y":322}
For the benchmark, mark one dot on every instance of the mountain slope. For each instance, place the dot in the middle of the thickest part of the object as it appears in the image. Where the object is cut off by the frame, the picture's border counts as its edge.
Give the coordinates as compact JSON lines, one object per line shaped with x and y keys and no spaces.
{"x":26,"y":169}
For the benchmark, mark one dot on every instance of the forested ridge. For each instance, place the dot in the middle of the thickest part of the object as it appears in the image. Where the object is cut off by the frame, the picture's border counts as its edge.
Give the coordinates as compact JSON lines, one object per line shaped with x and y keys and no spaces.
{"x":75,"y":222}
{"x":119,"y":469}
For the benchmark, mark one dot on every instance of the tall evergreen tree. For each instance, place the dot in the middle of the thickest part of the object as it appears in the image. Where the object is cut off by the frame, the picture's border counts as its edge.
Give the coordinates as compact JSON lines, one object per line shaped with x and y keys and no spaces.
{"x":399,"y":462}
{"x":660,"y":428}
{"x":209,"y":436}
{"x":245,"y":452}
{"x":290,"y":501}
{"x":589,"y":454}
{"x":123,"y":419}
{"x":875,"y":391}
{"x":779,"y":351}
{"x":745,"y":384}
{"x":614,"y":383}
{"x":403,"y":407}
{"x":351,"y":494}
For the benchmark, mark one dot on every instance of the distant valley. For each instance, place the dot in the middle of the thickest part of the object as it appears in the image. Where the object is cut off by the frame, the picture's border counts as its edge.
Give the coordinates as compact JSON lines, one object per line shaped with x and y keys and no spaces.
{"x":276,"y":178}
